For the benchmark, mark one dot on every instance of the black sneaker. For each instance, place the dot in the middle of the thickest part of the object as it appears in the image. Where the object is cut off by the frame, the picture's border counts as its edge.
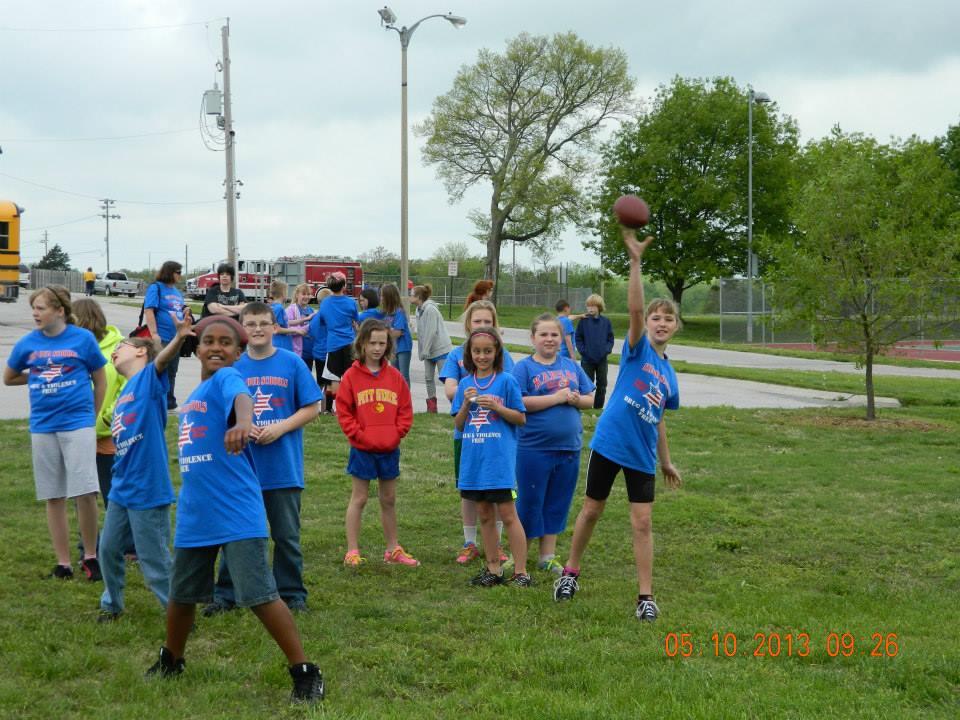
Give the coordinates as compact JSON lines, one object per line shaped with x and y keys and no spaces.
{"x":647,"y":610}
{"x":106,"y":616}
{"x":166,"y":666}
{"x":485,"y":578}
{"x":566,"y":586}
{"x":62,"y":572}
{"x":307,"y":683}
{"x":520,"y":580}
{"x":217,"y":608}
{"x":91,"y":568}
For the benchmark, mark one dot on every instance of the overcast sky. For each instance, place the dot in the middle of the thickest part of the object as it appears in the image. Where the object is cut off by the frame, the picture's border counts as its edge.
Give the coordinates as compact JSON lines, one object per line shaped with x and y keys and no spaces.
{"x":316,"y":104}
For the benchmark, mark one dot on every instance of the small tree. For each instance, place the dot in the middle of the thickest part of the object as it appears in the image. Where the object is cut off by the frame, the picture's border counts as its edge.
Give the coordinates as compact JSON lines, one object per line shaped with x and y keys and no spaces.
{"x":877,"y":232}
{"x":55,"y":259}
{"x":524,"y":121}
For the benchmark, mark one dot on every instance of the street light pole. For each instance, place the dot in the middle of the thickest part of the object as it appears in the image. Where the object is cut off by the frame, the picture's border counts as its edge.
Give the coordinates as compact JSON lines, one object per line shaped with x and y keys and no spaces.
{"x":752,"y":97}
{"x":388,"y":18}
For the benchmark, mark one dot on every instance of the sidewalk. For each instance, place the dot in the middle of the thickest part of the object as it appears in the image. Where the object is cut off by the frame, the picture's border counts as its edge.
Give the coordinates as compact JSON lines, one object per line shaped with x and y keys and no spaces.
{"x":743,"y":359}
{"x":695,"y":390}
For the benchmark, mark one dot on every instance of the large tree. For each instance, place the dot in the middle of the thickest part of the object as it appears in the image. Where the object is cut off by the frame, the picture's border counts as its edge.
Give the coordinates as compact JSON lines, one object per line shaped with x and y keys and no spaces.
{"x":55,"y":259}
{"x":524,"y":121}
{"x":873,"y":254}
{"x":687,"y":157}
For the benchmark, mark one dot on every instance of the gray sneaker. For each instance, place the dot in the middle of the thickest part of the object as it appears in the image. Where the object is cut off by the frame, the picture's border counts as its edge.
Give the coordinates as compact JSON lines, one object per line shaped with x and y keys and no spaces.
{"x":647,"y":610}
{"x":566,"y":587}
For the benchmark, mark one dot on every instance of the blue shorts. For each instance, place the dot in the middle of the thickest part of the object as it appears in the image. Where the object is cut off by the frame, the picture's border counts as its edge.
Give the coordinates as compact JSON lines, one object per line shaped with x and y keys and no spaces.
{"x":191,"y":579}
{"x":546,"y":481}
{"x":374,"y":466}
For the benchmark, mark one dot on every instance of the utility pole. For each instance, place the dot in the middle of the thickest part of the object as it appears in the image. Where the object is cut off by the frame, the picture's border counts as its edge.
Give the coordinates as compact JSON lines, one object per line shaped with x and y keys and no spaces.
{"x":107,"y":215}
{"x":228,"y":135}
{"x":186,"y":261}
{"x":45,"y":241}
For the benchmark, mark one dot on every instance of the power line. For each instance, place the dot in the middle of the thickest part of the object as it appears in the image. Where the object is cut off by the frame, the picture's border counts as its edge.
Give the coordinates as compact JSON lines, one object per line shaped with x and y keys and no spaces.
{"x":94,"y":197}
{"x":109,"y":29}
{"x":95,"y":139}
{"x":48,"y":227}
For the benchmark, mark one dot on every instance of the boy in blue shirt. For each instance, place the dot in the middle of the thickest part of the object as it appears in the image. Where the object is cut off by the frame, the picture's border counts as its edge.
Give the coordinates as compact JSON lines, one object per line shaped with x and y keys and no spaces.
{"x":138,"y":512}
{"x":566,"y":325}
{"x":221,"y":508}
{"x":286,"y":397}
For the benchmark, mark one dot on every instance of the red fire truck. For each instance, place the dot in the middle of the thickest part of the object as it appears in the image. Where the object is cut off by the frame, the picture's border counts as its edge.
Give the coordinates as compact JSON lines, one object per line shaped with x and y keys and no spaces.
{"x":254,"y":276}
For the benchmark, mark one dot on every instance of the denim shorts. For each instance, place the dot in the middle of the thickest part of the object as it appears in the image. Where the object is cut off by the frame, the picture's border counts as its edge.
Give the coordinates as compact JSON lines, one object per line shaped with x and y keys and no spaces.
{"x":191,"y":580}
{"x":374,"y":466}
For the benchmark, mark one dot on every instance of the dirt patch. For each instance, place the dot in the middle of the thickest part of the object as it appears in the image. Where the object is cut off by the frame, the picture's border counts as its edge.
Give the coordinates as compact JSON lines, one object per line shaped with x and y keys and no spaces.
{"x":859,"y":423}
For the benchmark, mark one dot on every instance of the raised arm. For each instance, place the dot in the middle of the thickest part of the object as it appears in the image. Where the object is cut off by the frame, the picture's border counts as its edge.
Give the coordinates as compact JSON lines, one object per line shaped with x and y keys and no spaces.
{"x":172,"y":348}
{"x":635,"y":299}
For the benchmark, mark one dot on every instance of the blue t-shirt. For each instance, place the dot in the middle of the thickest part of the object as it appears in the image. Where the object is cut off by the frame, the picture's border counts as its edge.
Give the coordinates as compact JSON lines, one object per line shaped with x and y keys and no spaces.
{"x":307,"y":351}
{"x":369,"y":313}
{"x":337,"y":315}
{"x":566,"y":324}
{"x":646,"y":386}
{"x":220,"y":500}
{"x":399,"y":321}
{"x":59,"y":368}
{"x":164,"y":299}
{"x":557,"y":427}
{"x":280,"y":385}
{"x":284,"y":342}
{"x":453,"y":368}
{"x":141,"y":467}
{"x":488,"y":460}
{"x":317,"y":332}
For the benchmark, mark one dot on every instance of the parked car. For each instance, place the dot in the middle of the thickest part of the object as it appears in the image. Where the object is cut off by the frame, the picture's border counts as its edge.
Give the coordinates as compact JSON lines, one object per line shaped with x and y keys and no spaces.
{"x":24,"y":276}
{"x":115,"y":283}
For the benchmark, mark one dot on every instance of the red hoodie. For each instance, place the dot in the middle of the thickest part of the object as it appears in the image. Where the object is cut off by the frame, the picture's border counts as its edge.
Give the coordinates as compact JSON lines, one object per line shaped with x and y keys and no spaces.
{"x":375,"y":411}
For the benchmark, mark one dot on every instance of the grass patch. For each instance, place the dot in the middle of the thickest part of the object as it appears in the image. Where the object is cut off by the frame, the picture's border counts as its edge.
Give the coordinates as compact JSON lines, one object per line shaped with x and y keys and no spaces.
{"x":789,"y":522}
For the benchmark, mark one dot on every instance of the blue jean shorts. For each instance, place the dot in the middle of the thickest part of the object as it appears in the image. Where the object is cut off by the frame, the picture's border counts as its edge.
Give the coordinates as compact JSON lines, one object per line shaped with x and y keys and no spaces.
{"x":374,"y":466}
{"x":191,"y":580}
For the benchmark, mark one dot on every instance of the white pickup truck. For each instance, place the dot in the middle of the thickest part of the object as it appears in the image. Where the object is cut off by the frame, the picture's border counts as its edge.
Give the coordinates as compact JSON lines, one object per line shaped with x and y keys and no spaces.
{"x":115,"y":283}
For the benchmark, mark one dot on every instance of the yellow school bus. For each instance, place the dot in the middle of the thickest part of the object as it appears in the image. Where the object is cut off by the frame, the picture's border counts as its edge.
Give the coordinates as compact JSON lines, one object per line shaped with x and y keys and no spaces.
{"x":9,"y":250}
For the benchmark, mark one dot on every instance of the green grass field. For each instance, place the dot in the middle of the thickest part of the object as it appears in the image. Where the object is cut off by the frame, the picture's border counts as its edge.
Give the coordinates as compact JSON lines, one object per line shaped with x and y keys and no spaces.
{"x":811,"y":528}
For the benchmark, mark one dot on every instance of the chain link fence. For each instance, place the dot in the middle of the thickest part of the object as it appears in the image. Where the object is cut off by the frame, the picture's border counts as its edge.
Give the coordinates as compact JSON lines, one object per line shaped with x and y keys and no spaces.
{"x":937,"y":315}
{"x":454,"y":290}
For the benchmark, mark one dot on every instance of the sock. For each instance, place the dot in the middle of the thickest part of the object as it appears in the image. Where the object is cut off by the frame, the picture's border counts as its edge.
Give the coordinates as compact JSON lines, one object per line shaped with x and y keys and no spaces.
{"x":499,"y":531}
{"x":644,"y":597}
{"x":571,"y":571}
{"x":469,"y":534}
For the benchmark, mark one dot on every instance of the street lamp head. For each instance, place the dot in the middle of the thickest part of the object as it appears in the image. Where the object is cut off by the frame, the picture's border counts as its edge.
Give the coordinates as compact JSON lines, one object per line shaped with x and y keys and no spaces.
{"x":455,"y":20}
{"x":761,"y":97}
{"x":387,"y":16}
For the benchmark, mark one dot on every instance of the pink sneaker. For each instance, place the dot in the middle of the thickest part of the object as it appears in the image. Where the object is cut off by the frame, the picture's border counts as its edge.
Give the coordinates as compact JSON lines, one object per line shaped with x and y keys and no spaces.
{"x":353,"y":559}
{"x":399,"y":556}
{"x":469,"y":553}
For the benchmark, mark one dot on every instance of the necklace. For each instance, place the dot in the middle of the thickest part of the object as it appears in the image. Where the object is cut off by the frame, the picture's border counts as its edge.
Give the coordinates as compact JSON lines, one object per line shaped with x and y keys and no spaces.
{"x":493,"y":376}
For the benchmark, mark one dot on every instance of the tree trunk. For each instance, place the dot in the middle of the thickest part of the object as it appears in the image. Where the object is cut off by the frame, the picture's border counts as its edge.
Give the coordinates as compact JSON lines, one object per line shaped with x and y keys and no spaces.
{"x":871,"y":402}
{"x":676,"y":291}
{"x":492,"y":268}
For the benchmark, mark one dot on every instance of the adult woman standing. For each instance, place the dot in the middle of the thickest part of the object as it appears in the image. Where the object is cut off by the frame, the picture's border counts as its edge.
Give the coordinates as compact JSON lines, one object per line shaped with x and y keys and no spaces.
{"x":163,"y":298}
{"x":433,"y":341}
